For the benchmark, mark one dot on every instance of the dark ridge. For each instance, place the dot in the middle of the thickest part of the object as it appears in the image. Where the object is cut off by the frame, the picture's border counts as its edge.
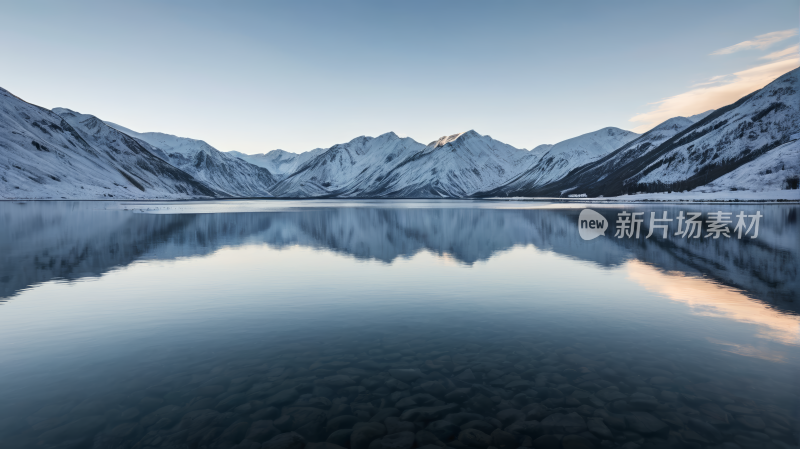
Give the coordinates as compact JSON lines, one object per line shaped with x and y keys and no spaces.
{"x":131,"y":180}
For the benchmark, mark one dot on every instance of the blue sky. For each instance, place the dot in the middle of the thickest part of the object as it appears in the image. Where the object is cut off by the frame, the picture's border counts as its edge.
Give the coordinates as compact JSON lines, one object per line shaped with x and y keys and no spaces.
{"x":256,"y":76}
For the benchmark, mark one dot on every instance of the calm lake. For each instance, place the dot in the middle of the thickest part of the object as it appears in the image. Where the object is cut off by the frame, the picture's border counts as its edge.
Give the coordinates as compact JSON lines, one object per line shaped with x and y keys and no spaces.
{"x":392,"y":325}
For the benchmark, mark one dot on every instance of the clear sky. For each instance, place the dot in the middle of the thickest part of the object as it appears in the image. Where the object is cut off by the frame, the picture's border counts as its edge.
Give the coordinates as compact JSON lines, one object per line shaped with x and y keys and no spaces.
{"x":256,"y":76}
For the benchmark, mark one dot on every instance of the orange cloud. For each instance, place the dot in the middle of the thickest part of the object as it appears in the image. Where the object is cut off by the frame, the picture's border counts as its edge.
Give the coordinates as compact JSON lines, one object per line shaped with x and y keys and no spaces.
{"x":780,"y":54}
{"x":717,"y":92}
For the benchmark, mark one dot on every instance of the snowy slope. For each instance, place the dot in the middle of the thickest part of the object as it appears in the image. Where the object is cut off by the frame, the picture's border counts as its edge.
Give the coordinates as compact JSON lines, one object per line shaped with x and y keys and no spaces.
{"x":455,"y":166}
{"x":642,"y":144}
{"x":349,"y":169}
{"x":649,"y":140}
{"x":220,"y":171}
{"x":778,"y":169}
{"x":65,"y":154}
{"x":280,"y":163}
{"x":43,"y":156}
{"x":389,"y":166}
{"x":564,"y":157}
{"x":579,"y":178}
{"x":593,"y":145}
{"x":543,"y":148}
{"x":678,"y":155}
{"x":726,"y":139}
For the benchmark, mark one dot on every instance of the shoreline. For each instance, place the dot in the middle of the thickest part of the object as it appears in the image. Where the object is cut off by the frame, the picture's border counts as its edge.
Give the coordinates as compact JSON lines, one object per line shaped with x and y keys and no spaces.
{"x":610,"y":200}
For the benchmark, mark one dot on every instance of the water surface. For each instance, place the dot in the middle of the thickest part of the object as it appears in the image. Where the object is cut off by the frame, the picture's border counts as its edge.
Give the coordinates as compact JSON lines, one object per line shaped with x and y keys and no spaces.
{"x":222,"y":324}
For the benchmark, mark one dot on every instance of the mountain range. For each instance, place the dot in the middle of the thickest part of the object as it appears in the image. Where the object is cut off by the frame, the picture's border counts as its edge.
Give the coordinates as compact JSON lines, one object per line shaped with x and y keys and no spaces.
{"x":62,"y":154}
{"x":225,"y":173}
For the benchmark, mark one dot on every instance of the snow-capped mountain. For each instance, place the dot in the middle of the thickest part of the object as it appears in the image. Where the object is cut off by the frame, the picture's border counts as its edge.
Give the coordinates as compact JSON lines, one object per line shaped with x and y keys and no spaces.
{"x":349,"y":169}
{"x":643,"y":144}
{"x":563,"y":157}
{"x":45,"y":157}
{"x":280,"y":163}
{"x":388,"y":166}
{"x":65,"y":154}
{"x":220,"y":171}
{"x":723,"y":141}
{"x":454,"y":166}
{"x":603,"y":167}
{"x":680,"y":154}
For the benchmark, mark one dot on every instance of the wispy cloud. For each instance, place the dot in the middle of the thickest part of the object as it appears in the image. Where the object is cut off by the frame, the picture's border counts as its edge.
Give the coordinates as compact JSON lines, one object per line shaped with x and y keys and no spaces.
{"x":794,"y":50}
{"x":716,"y":92}
{"x":713,"y":80}
{"x":763,"y":41}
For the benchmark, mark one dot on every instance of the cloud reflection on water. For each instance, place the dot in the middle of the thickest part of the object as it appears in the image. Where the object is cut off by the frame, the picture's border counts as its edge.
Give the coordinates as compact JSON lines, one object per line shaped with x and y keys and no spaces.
{"x":709,"y":298}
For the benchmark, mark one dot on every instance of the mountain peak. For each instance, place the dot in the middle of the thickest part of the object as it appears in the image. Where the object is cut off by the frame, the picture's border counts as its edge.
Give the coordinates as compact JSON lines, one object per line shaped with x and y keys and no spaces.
{"x":444,"y":140}
{"x":61,"y":111}
{"x":388,"y":136}
{"x":89,"y":122}
{"x":543,"y":148}
{"x":697,"y":117}
{"x":168,"y":142}
{"x":64,"y":112}
{"x":277,"y":153}
{"x":612,"y":131}
{"x":674,"y":124}
{"x":596,"y":143}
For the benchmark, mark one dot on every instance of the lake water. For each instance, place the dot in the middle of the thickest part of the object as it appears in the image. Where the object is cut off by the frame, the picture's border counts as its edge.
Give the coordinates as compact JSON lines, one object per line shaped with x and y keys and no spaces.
{"x":392,"y":325}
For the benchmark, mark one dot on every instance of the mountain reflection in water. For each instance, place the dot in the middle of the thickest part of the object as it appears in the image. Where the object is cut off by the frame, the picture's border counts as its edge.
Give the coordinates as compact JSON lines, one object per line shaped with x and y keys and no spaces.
{"x":43,"y":241}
